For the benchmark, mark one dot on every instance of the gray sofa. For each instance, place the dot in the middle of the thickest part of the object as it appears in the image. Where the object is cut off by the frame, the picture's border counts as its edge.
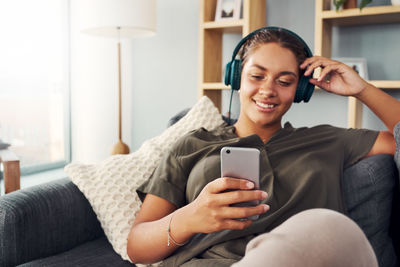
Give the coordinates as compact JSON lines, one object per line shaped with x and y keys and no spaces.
{"x":54,"y":225}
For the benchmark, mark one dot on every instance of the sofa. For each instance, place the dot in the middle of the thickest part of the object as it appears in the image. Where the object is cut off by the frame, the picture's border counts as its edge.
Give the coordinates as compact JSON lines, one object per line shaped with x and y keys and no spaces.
{"x":53,"y":224}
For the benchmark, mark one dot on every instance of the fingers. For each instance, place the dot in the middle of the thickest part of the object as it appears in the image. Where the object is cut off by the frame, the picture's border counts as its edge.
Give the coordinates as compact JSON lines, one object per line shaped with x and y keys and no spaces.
{"x":244,"y":212}
{"x":310,"y":64}
{"x":326,"y":72}
{"x":232,"y":214}
{"x":222,"y":184}
{"x":237,"y":225}
{"x":325,"y":84}
{"x":213,"y":205}
{"x":238,"y":196}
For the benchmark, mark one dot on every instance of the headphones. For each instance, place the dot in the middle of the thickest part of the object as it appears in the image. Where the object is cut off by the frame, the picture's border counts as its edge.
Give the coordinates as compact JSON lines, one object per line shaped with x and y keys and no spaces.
{"x":234,"y":68}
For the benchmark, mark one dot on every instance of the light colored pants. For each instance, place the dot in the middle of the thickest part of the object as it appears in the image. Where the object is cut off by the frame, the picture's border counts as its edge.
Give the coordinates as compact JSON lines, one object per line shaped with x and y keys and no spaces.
{"x":316,"y":237}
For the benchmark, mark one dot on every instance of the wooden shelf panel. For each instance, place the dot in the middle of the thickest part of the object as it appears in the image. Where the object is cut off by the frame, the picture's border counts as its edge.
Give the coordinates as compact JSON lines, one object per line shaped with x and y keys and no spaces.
{"x":368,"y":15}
{"x":215,"y":86}
{"x":386,"y":84}
{"x":230,"y":26}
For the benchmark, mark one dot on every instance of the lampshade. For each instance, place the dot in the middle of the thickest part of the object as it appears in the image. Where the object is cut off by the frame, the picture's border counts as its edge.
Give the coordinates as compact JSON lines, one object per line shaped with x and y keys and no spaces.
{"x":119,"y":18}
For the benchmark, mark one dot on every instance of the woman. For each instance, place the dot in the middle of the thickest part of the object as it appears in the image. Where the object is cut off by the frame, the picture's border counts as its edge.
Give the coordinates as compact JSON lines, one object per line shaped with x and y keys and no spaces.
{"x":187,"y":217}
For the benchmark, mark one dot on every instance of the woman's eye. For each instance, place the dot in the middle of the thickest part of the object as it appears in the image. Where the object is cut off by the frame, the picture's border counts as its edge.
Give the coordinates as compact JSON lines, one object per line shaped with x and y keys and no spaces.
{"x":284,"y":83}
{"x":257,"y":77}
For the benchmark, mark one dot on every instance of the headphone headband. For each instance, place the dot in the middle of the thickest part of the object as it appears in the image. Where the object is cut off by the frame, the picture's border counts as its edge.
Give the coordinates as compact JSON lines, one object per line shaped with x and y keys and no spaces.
{"x":273,"y":28}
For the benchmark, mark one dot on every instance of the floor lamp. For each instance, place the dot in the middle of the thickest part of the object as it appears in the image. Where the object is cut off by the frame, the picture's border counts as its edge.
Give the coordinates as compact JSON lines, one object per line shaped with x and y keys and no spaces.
{"x":119,"y":19}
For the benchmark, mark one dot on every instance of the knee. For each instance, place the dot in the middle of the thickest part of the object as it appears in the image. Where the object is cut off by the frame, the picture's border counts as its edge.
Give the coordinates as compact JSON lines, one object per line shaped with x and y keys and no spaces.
{"x":321,"y":220}
{"x":329,"y":233}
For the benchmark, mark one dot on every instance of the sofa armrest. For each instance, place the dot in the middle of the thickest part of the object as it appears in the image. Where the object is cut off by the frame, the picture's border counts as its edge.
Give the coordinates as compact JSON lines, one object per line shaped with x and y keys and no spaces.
{"x":368,"y":189}
{"x":43,"y":220}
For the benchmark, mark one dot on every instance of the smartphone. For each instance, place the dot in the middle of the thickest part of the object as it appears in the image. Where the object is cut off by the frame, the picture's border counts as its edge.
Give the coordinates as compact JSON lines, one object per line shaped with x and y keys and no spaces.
{"x":244,"y":163}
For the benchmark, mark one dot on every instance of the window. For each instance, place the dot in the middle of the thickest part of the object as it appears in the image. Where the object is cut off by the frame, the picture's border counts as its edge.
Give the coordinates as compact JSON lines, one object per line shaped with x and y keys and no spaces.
{"x":34,"y":82}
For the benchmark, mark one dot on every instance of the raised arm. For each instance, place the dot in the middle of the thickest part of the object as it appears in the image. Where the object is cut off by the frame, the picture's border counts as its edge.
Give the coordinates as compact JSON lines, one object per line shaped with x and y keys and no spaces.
{"x":338,"y":78}
{"x":148,"y":241}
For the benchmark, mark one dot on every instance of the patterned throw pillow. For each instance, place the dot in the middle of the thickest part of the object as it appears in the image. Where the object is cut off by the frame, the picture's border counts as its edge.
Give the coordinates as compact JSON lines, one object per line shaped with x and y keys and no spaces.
{"x":110,"y":186}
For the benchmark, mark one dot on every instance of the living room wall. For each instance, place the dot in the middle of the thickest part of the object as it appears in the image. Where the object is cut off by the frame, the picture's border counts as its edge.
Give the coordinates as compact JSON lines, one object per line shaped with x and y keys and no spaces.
{"x":161,"y":74}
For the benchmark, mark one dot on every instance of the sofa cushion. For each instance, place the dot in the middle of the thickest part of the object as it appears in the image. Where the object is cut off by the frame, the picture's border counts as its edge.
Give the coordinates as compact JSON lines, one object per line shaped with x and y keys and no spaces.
{"x":396,"y":133}
{"x":368,"y":188}
{"x":395,"y":230}
{"x":110,"y":186}
{"x":94,"y":253}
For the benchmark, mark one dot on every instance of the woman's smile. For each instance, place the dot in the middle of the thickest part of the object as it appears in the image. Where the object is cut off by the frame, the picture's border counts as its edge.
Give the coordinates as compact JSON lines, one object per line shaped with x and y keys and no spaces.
{"x":265,"y":106}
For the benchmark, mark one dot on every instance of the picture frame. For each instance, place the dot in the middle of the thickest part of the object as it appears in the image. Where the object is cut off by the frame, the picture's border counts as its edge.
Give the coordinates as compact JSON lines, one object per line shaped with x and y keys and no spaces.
{"x":359,"y":64}
{"x":228,"y":10}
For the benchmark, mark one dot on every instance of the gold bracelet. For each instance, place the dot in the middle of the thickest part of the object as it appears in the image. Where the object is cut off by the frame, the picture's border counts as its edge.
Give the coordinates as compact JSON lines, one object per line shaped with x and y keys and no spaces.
{"x":170,"y":237}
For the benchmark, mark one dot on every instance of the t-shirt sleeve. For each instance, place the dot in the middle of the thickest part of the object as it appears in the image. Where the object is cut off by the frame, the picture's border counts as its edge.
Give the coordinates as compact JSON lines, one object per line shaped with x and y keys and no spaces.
{"x":168,"y":182}
{"x":357,"y":143}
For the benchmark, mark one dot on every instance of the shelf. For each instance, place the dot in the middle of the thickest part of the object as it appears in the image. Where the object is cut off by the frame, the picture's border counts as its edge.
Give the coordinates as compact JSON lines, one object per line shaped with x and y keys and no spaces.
{"x":325,"y":19}
{"x":211,"y":35}
{"x":368,"y":15}
{"x":229,"y":26}
{"x":386,"y":84}
{"x":215,"y":86}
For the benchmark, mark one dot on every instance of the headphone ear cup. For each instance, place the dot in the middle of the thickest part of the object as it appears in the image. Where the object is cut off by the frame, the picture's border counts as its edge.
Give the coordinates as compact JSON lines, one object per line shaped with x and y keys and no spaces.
{"x":308,"y":92}
{"x":227,"y":79}
{"x":235,"y":73}
{"x":304,"y":89}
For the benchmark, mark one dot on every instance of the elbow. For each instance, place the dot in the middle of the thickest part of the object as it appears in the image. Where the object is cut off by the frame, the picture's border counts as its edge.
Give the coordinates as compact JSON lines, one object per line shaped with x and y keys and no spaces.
{"x":130,"y":249}
{"x":134,"y":251}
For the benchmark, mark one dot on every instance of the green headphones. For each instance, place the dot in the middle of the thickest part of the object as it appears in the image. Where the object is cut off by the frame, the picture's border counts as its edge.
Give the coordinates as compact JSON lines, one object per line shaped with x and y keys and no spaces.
{"x":234,"y":68}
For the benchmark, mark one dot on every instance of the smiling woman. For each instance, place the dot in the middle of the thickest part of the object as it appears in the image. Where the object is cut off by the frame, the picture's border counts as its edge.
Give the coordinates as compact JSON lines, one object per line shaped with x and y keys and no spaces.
{"x":34,"y":82}
{"x":301,"y":169}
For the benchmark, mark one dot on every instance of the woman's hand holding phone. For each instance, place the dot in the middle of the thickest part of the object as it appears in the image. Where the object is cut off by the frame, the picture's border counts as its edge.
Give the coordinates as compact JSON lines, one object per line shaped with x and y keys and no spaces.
{"x":212,"y":210}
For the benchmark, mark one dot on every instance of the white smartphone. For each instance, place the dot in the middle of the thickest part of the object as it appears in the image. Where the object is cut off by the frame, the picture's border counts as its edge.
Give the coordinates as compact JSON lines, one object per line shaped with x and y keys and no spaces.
{"x":244,"y":163}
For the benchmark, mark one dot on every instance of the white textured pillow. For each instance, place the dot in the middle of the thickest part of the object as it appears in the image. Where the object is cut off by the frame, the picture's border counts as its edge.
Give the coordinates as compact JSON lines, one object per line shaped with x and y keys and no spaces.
{"x":110,"y":186}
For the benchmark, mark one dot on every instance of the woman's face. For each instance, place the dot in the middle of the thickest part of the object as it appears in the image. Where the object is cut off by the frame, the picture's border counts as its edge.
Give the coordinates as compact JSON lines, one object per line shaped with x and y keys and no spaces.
{"x":268,"y":85}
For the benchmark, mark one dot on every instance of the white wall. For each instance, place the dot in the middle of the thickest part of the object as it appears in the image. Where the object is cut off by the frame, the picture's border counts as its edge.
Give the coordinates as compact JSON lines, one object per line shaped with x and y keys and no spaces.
{"x":159,"y":78}
{"x":164,"y":72}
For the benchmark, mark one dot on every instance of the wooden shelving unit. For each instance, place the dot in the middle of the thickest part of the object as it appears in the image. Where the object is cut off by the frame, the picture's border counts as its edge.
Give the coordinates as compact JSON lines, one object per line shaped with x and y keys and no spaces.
{"x":325,"y":19}
{"x":210,"y":43}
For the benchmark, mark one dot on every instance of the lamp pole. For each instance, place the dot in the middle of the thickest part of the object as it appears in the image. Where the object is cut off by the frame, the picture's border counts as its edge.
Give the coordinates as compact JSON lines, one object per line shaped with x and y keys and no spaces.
{"x":120,"y":147}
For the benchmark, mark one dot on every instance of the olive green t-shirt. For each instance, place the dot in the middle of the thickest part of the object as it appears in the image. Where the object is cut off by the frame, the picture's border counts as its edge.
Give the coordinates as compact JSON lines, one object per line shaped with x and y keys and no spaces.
{"x":299,"y":169}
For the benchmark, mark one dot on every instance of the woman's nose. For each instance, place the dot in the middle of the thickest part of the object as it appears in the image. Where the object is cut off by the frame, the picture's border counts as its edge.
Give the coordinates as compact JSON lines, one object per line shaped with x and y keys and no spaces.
{"x":267,"y":89}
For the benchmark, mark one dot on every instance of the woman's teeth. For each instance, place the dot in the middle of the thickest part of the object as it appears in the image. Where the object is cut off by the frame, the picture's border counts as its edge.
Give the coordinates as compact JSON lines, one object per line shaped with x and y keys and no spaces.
{"x":265,"y":105}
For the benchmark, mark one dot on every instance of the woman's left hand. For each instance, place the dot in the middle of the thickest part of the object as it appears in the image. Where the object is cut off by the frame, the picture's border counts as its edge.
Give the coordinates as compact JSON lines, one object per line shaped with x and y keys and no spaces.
{"x":335,"y":76}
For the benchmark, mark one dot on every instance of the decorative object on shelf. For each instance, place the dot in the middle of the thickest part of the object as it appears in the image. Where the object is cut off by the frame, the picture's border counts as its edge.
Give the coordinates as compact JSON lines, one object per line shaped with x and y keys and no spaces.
{"x":358,"y":64}
{"x":345,"y":4}
{"x":120,"y":19}
{"x":228,"y":9}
